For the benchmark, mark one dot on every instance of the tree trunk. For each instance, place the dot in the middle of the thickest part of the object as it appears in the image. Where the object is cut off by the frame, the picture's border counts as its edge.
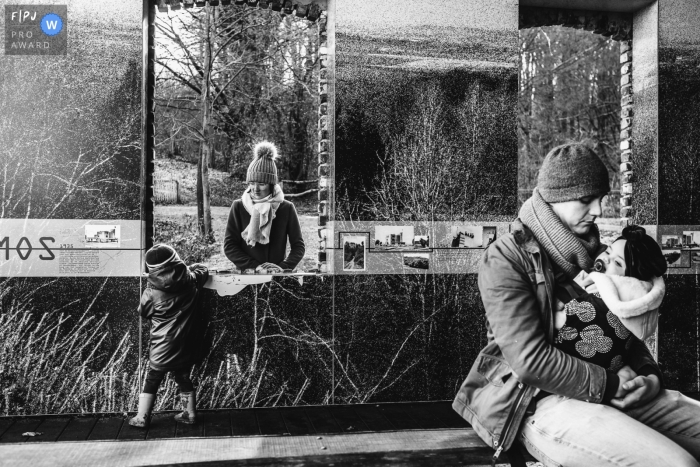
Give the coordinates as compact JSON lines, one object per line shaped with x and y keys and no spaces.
{"x":200,"y":193}
{"x":205,"y":156}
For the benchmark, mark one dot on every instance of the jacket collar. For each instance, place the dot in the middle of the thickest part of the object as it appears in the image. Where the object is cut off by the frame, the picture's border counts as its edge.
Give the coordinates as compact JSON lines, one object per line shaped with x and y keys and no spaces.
{"x":524,"y":237}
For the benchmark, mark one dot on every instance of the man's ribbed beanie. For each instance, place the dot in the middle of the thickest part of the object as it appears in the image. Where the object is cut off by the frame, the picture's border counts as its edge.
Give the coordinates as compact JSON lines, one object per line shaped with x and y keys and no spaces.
{"x":159,"y":255}
{"x":263,"y":168}
{"x":572,"y":171}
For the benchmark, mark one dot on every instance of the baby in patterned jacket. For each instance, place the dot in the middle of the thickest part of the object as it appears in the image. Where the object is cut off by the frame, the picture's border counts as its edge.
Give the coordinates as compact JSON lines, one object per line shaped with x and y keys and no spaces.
{"x":598,"y":327}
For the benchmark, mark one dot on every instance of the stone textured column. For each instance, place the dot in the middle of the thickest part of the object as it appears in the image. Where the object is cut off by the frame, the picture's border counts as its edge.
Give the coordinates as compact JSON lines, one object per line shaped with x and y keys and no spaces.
{"x":627,"y":96}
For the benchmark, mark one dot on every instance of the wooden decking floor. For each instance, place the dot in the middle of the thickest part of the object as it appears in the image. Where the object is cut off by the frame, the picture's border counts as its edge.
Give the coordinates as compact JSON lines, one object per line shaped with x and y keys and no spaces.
{"x":427,"y":458}
{"x":274,"y":421}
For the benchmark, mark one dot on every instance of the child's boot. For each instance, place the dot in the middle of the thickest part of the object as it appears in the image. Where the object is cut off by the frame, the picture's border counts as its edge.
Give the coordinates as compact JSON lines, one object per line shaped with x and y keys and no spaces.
{"x":143,"y":417}
{"x":188,"y":401}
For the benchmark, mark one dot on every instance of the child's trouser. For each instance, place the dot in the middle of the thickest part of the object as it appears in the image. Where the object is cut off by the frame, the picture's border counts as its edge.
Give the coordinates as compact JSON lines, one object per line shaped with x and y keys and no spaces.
{"x":155,"y":377}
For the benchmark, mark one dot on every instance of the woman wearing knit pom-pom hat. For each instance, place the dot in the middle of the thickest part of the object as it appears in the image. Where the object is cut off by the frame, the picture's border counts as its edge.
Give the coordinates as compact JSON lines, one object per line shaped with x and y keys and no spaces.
{"x":522,"y":389}
{"x":261,"y":222}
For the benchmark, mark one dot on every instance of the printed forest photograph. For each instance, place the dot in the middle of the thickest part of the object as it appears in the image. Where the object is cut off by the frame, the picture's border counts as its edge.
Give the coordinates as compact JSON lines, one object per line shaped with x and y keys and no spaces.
{"x":236,"y":104}
{"x":569,"y":91}
{"x":350,"y":232}
{"x":425,"y":122}
{"x":70,"y":152}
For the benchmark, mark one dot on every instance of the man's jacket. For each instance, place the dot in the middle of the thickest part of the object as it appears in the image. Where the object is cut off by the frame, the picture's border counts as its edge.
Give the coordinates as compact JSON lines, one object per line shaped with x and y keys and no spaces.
{"x":517,"y":284}
{"x":172,"y":303}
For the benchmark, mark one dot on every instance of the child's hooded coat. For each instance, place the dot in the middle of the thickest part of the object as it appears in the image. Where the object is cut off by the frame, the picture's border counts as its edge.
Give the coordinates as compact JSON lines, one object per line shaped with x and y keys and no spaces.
{"x":172,"y":303}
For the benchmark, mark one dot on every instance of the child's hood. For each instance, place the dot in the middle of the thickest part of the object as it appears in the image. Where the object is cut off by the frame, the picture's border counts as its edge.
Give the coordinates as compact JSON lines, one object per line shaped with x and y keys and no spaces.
{"x":626,"y":296}
{"x":169,"y":277}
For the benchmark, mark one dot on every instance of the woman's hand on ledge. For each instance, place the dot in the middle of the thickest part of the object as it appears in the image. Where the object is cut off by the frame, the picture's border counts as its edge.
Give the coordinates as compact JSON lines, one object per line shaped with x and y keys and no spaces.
{"x":270,"y":268}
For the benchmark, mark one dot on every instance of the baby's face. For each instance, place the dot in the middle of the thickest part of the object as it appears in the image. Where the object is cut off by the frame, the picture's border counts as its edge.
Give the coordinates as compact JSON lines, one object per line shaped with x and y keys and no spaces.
{"x":614,"y":259}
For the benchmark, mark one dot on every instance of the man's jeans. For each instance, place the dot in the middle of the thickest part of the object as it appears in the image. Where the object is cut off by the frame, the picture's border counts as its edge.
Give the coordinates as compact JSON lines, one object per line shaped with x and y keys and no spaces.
{"x":567,"y":432}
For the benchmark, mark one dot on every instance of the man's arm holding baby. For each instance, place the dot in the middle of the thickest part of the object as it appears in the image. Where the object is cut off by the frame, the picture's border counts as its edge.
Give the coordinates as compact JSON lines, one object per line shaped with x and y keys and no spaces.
{"x":646,"y":382}
{"x":640,"y":379}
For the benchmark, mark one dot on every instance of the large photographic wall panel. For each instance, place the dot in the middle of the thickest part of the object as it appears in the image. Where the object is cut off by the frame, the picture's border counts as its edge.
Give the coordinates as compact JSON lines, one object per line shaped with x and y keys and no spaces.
{"x":678,"y":187}
{"x":426,"y":143}
{"x":71,"y":138}
{"x":678,"y":332}
{"x":426,"y":162}
{"x":433,"y":82}
{"x":402,"y":337}
{"x":70,"y":132}
{"x":70,"y":344}
{"x":679,"y":113}
{"x":270,"y":344}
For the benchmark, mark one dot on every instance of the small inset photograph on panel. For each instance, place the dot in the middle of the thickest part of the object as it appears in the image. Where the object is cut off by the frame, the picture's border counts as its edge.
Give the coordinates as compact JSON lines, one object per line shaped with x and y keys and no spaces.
{"x":354,"y":252}
{"x":102,"y":236}
{"x":676,"y":258}
{"x":412,"y":261}
{"x":670,"y":242}
{"x":421,"y":242}
{"x":466,"y":236}
{"x":394,"y":238}
{"x":690,"y":240}
{"x":489,"y":236}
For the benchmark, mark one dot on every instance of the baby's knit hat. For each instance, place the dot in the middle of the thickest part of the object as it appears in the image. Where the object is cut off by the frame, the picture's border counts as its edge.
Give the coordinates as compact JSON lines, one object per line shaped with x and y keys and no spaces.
{"x":159,"y":255}
{"x":263,"y":168}
{"x":572,"y":171}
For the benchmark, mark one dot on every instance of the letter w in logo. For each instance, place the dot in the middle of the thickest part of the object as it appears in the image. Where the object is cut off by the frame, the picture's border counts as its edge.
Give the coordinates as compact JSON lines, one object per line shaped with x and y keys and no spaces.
{"x":51,"y":25}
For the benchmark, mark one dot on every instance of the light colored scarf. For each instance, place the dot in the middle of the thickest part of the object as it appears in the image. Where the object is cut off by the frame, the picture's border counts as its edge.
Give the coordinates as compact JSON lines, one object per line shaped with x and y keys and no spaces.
{"x":569,"y":252}
{"x":262,"y":213}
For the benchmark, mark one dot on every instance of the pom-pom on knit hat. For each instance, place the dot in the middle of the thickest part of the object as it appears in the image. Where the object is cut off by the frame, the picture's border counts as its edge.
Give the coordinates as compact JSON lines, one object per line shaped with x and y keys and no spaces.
{"x":572,"y":171}
{"x":160,"y":255}
{"x":263,"y":168}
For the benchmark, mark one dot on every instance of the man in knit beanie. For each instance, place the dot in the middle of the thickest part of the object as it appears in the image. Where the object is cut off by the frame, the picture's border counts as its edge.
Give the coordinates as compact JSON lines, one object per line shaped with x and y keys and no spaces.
{"x":523,"y":389}
{"x":570,"y":172}
{"x":572,"y":183}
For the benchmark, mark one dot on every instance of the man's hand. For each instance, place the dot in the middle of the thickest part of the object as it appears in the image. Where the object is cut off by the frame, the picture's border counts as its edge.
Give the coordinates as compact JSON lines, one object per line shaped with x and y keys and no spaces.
{"x":626,"y":373}
{"x":640,"y":390}
{"x":559,"y":305}
{"x":559,"y":314}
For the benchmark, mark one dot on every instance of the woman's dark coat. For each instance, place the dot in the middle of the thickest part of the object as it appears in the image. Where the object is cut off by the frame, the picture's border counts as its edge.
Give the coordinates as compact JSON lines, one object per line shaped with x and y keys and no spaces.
{"x":285,"y":224}
{"x":172,"y":303}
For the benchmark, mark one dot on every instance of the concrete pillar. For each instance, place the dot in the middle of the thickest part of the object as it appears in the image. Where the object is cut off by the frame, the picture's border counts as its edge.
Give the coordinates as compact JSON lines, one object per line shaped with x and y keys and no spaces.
{"x":679,"y":112}
{"x":641,"y":157}
{"x":679,"y":184}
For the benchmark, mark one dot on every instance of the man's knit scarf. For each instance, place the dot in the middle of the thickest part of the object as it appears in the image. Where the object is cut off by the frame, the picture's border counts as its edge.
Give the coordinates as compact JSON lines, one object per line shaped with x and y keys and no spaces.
{"x":569,"y":252}
{"x":262,"y":213}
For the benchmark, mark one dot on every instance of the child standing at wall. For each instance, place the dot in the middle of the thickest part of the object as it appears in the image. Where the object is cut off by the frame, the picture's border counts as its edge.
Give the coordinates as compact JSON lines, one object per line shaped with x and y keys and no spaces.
{"x":171,"y":302}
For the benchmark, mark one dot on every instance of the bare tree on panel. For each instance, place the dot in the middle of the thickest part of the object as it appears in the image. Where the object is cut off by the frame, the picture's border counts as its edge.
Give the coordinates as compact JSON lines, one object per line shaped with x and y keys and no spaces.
{"x":229,"y":77}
